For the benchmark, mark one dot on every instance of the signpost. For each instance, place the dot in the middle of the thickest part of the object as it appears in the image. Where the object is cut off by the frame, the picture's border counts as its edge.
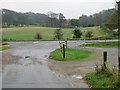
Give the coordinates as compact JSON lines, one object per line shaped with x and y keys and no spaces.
{"x":63,"y":51}
{"x":63,"y":45}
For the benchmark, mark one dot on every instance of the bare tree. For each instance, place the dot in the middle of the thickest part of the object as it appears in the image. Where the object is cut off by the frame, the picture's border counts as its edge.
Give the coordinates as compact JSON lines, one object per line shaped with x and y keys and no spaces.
{"x":56,"y":19}
{"x":61,"y":20}
{"x":52,"y":17}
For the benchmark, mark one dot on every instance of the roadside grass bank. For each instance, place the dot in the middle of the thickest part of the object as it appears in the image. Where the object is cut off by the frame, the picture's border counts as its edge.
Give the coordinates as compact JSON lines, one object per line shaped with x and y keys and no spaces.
{"x":4,"y":48}
{"x":103,"y":78}
{"x":103,"y":44}
{"x":71,"y":54}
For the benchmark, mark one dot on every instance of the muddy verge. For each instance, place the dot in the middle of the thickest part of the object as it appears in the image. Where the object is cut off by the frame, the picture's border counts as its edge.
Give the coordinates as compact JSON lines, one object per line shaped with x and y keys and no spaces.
{"x":80,"y":67}
{"x":8,"y":59}
{"x":75,"y":71}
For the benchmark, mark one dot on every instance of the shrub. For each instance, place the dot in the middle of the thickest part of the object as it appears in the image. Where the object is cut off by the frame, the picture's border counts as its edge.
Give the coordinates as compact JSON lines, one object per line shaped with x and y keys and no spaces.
{"x":58,"y":34}
{"x":89,"y":34}
{"x":77,"y":33}
{"x":38,"y":36}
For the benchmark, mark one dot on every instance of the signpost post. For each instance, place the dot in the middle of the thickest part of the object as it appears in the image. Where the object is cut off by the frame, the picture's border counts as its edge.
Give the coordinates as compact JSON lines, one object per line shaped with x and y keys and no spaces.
{"x":63,"y":51}
{"x":63,"y":45}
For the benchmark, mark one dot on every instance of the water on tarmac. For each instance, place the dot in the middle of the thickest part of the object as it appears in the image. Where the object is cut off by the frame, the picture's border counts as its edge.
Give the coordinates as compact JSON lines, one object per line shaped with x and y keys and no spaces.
{"x":31,"y":70}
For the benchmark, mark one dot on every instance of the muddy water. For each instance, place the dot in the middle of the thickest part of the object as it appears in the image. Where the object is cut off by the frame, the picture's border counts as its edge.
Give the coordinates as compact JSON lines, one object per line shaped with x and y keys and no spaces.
{"x":31,"y":70}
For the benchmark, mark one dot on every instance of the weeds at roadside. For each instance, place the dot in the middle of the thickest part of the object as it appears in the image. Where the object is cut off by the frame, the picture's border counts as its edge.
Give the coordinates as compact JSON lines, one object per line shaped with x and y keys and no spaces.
{"x":103,"y":77}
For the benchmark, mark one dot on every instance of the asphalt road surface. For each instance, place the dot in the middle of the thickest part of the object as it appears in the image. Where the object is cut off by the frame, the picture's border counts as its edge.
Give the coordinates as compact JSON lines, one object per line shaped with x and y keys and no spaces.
{"x":31,"y":70}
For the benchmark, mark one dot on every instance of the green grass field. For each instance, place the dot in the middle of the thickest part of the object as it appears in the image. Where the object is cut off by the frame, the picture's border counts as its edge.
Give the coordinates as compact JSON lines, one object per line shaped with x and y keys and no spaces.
{"x":47,"y":33}
{"x":103,"y":44}
{"x":71,"y":54}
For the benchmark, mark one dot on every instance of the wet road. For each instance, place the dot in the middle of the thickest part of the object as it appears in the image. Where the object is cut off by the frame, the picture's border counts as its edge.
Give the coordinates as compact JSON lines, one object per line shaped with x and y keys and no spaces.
{"x":31,"y":70}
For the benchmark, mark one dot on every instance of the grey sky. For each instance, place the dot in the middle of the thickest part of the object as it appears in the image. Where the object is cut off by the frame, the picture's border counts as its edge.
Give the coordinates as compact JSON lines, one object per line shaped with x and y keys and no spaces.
{"x":70,"y":8}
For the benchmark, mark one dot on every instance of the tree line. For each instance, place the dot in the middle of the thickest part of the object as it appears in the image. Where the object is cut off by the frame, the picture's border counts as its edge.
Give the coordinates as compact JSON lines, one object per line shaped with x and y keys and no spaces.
{"x":51,"y":19}
{"x":10,"y":18}
{"x":93,"y":20}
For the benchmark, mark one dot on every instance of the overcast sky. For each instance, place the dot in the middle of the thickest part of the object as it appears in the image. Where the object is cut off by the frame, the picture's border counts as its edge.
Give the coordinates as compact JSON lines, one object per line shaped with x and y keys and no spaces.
{"x":70,"y":8}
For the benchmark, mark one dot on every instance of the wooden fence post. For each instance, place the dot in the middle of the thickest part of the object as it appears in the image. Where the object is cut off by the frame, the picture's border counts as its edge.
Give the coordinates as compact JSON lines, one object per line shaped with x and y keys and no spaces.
{"x":63,"y":51}
{"x":104,"y":59}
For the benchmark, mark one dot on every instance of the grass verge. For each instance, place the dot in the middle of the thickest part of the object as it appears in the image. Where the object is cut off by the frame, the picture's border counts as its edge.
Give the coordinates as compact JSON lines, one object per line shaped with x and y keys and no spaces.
{"x":103,"y":44}
{"x":4,"y":48}
{"x":103,"y":78}
{"x":101,"y":81}
{"x":71,"y":54}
